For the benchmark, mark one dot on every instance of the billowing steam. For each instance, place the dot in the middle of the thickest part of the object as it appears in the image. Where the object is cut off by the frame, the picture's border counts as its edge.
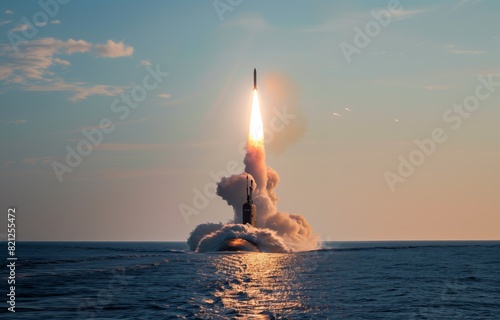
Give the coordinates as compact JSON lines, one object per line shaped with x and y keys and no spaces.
{"x":267,"y":240}
{"x":276,"y":231}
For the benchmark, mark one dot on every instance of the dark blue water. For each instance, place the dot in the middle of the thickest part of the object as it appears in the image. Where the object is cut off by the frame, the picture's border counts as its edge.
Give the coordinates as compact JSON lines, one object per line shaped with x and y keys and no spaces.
{"x":373,"y":280}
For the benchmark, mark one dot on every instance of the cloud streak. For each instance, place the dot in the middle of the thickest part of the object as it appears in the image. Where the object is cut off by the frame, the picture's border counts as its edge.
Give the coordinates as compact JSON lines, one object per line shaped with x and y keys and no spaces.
{"x":80,"y":90}
{"x":453,"y":50}
{"x":19,"y":28}
{"x":165,"y":95}
{"x":37,"y":160}
{"x":250,"y":22}
{"x":407,"y":13}
{"x":474,"y":52}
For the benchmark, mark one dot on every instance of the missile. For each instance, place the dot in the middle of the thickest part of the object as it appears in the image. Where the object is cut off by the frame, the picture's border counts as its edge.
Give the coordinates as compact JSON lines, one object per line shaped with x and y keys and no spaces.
{"x":254,"y":79}
{"x":249,"y":209}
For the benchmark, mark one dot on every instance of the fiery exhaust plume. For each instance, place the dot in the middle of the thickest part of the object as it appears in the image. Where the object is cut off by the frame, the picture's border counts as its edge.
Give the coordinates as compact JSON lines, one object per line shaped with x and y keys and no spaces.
{"x":256,"y":132}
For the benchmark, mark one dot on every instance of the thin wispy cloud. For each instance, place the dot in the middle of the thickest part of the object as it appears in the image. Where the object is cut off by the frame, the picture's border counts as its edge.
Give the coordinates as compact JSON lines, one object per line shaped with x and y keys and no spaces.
{"x":19,"y":28}
{"x":79,"y":90}
{"x":474,"y":52}
{"x":165,"y":95}
{"x":55,"y":22}
{"x":3,"y":22}
{"x":31,"y":161}
{"x":8,"y":11}
{"x":176,"y":102}
{"x":37,"y":161}
{"x":404,"y":14}
{"x":253,"y":22}
{"x":451,"y":48}
{"x":486,"y":73}
{"x":438,"y":87}
{"x":342,"y":23}
{"x":463,"y":4}
{"x":347,"y":21}
{"x":62,"y":62}
{"x":36,"y":57}
{"x":33,"y":66}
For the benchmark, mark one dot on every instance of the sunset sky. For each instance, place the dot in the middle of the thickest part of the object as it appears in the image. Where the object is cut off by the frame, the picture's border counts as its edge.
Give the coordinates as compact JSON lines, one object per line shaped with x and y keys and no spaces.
{"x":357,"y":115}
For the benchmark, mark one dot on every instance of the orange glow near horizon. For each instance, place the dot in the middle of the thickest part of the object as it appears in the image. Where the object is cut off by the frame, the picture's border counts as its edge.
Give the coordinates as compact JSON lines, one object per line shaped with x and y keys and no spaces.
{"x":256,"y":132}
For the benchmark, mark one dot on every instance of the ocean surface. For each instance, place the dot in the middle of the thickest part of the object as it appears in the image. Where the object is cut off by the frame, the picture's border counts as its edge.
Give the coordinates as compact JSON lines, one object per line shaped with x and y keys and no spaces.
{"x":345,"y":280}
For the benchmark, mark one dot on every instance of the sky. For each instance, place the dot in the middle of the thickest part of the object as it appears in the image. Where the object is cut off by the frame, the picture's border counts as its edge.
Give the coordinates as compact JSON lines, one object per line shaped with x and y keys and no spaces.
{"x":382,"y":116}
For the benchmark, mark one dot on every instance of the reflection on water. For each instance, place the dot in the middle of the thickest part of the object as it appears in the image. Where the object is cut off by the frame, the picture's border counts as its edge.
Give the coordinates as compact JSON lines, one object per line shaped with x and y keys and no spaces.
{"x":254,"y":285}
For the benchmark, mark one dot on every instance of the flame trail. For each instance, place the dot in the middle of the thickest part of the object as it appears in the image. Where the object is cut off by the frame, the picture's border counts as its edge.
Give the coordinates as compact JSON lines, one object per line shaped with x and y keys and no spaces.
{"x":256,"y":131}
{"x":255,"y":158}
{"x":275,"y":229}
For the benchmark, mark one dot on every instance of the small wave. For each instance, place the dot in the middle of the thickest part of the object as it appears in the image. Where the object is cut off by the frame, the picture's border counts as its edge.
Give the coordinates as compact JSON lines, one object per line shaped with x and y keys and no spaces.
{"x":406,"y":247}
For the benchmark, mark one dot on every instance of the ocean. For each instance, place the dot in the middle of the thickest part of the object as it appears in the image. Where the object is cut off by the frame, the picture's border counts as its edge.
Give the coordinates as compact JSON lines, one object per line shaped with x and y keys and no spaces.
{"x":344,"y":280}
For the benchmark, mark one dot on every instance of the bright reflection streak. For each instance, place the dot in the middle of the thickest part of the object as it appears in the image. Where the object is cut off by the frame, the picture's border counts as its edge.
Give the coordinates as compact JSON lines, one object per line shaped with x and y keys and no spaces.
{"x":256,"y":285}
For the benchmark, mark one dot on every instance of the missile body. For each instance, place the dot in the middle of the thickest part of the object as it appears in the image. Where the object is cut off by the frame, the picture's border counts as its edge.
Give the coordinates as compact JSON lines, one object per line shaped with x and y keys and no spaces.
{"x":249,"y":208}
{"x":254,"y":79}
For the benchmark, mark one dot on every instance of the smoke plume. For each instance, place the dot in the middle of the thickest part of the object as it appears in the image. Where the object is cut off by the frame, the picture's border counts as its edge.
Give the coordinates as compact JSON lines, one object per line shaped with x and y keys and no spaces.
{"x":276,"y":231}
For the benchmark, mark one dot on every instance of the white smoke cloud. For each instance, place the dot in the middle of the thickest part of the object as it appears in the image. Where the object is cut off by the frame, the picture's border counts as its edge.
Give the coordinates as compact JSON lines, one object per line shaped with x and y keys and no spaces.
{"x":200,"y":232}
{"x":266,"y":240}
{"x":276,"y":231}
{"x":232,"y":189}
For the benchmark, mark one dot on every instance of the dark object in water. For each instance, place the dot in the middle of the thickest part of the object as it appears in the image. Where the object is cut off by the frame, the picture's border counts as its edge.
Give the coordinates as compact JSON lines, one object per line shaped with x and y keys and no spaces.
{"x":237,"y":244}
